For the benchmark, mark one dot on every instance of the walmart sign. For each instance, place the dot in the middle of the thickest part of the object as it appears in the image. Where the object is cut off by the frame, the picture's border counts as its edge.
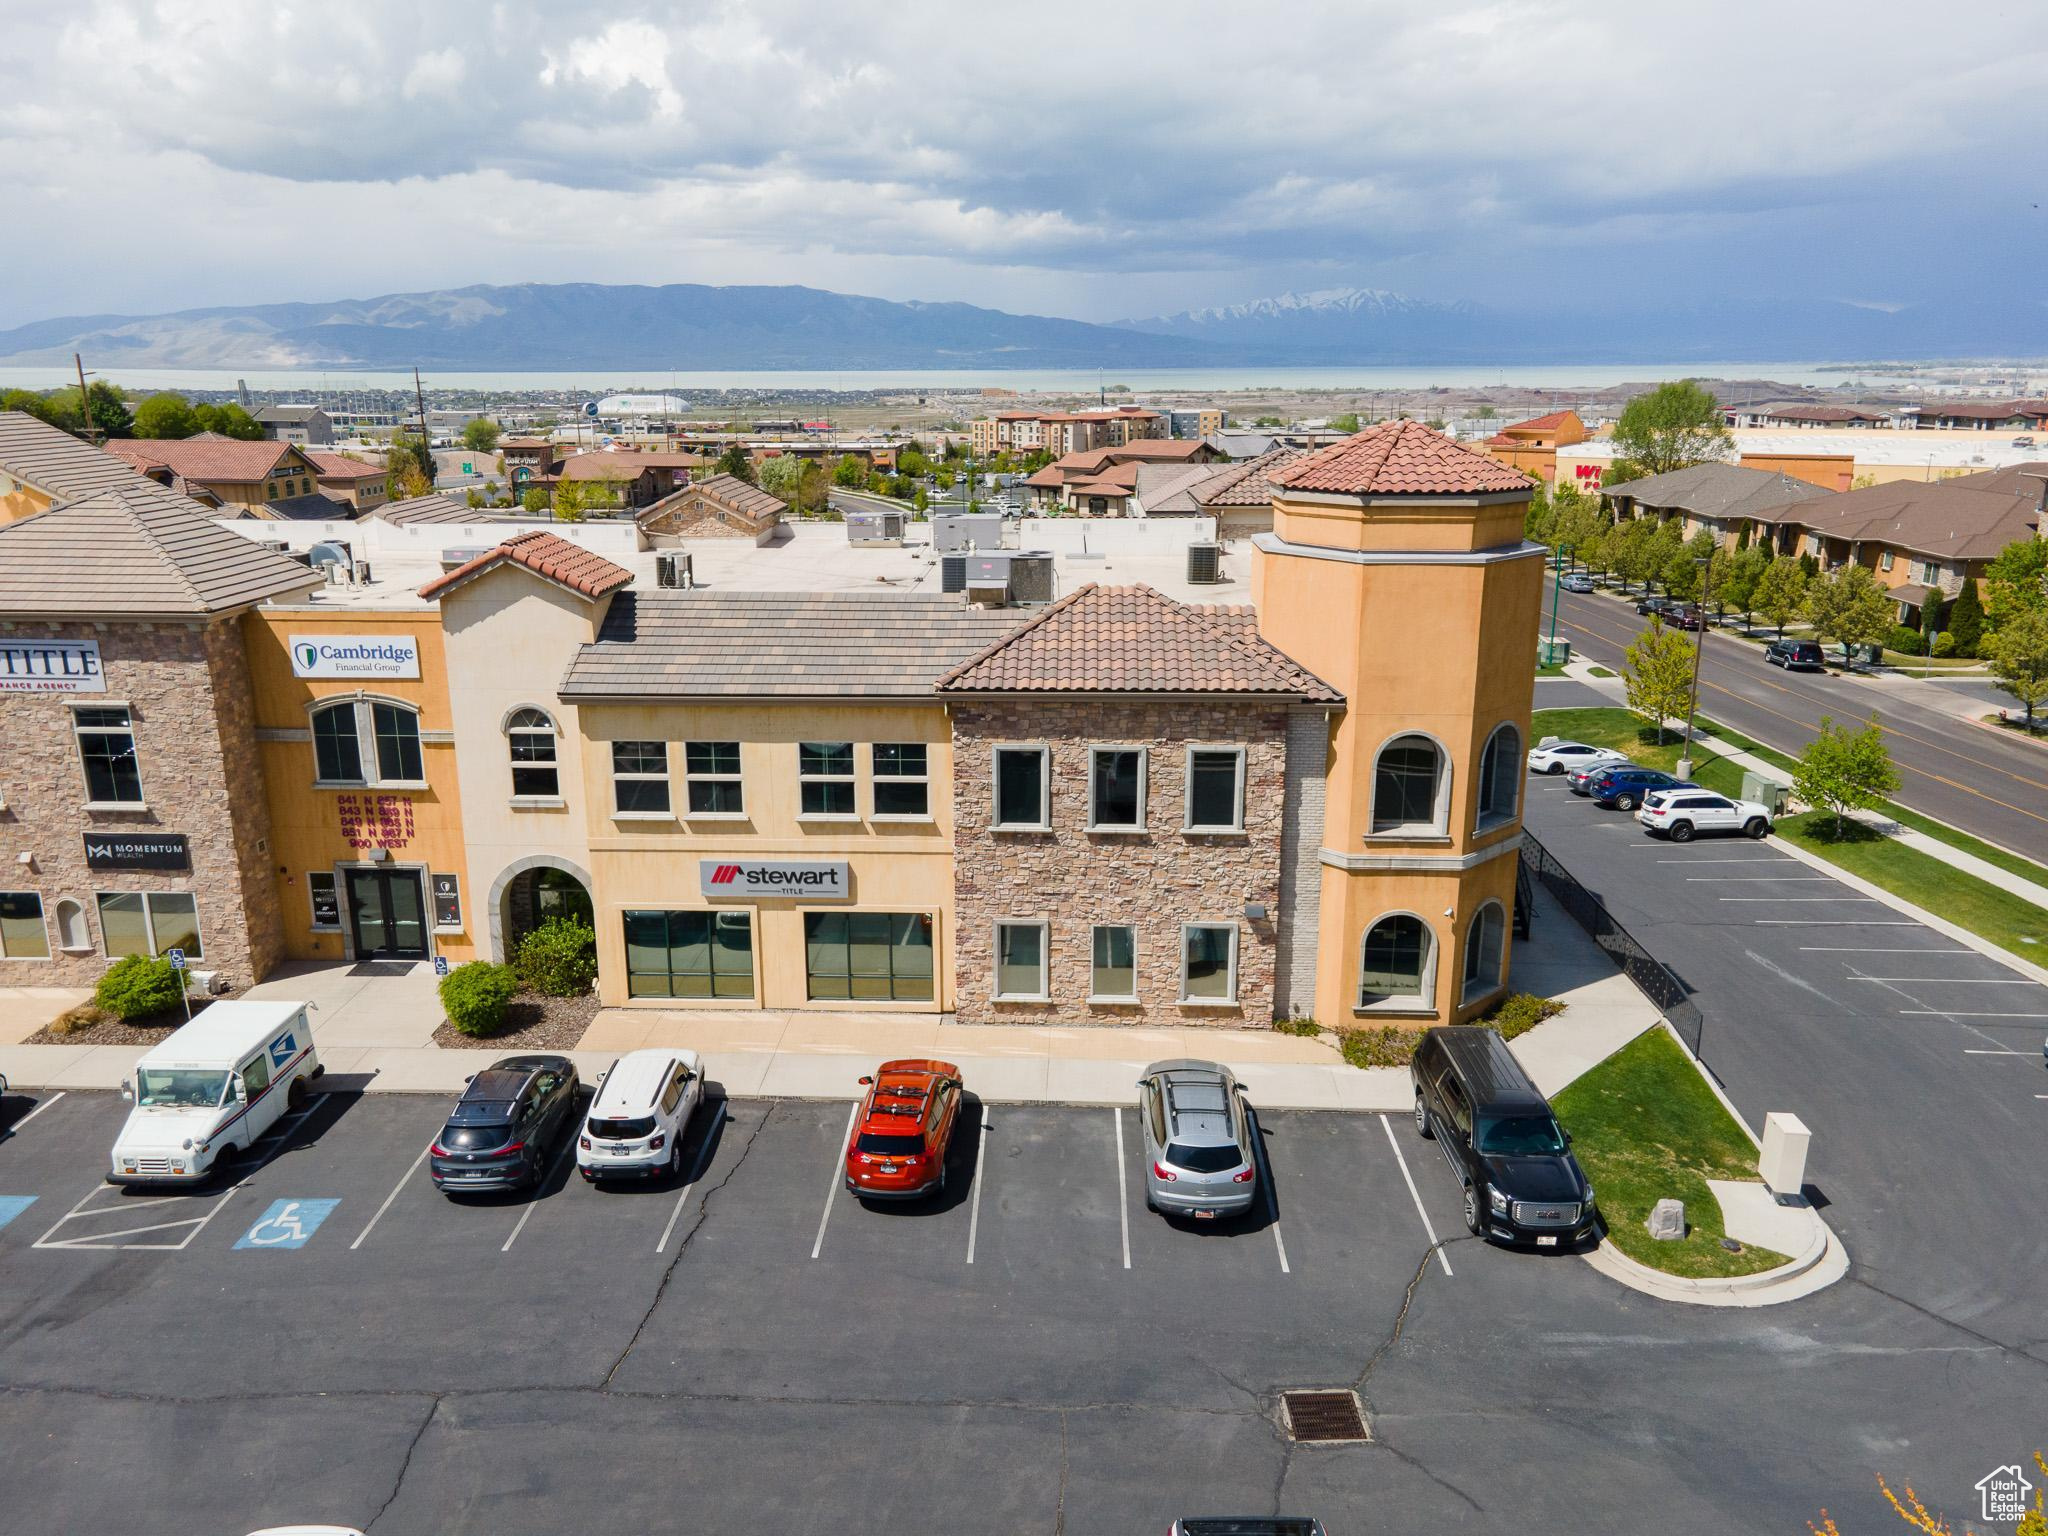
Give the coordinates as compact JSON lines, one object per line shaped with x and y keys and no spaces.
{"x":355,"y":656}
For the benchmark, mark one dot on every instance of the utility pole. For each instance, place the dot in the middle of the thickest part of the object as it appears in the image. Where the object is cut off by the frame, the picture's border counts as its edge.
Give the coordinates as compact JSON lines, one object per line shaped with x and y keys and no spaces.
{"x":84,"y":401}
{"x":426,"y":438}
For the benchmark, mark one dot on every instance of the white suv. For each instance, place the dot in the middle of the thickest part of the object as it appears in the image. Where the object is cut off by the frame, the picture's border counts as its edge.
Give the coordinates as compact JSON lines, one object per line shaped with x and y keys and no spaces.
{"x":636,"y":1122}
{"x":1681,"y":814}
{"x":1553,"y":756}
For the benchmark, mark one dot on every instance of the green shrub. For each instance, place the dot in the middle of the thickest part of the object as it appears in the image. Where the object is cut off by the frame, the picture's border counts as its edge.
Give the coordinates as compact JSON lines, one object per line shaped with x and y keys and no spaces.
{"x":1307,"y":1027}
{"x":1906,"y":640}
{"x":1945,"y":643}
{"x":137,"y":986}
{"x":559,"y":958}
{"x":475,"y":996}
{"x":1388,"y":1046}
{"x":1519,"y":1014}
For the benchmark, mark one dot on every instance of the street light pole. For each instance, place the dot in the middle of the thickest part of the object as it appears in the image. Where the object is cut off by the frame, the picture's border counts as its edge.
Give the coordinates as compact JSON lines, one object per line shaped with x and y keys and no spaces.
{"x":1556,"y":587}
{"x":1699,"y":650}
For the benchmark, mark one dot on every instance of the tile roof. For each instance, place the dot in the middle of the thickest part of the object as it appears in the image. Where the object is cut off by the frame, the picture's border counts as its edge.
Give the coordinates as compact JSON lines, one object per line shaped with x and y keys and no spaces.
{"x":1166,"y":489}
{"x":545,"y":554}
{"x":731,"y":491}
{"x":310,"y":507}
{"x":1249,"y":484}
{"x":1135,"y":640}
{"x":791,"y":645}
{"x":1400,"y":458}
{"x":203,"y":459}
{"x":1719,"y":490}
{"x":608,"y":466}
{"x":136,"y":551}
{"x":434,"y":507}
{"x":53,"y":461}
{"x":1548,"y":423}
{"x":339,"y":466}
{"x":1970,"y":517}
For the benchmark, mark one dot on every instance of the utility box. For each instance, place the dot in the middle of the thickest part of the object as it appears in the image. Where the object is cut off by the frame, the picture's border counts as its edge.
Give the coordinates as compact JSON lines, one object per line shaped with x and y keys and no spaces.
{"x":1768,"y":793}
{"x":1783,"y":1163}
{"x":1553,"y":652}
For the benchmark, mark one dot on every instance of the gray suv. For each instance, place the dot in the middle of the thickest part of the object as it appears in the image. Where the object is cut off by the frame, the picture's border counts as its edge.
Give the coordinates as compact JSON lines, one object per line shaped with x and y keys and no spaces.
{"x":1198,"y":1146}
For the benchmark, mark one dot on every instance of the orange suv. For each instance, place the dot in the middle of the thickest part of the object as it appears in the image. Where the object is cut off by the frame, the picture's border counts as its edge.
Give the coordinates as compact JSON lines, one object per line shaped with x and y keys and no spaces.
{"x":900,"y":1136}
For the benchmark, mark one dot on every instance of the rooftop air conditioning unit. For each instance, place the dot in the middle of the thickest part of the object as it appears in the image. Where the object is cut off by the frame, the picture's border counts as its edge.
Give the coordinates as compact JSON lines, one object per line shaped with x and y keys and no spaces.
{"x":952,"y":573}
{"x":879,"y":529}
{"x":460,"y":554}
{"x":362,"y":573}
{"x":673,"y":568}
{"x":1205,"y":564}
{"x":1031,"y":576}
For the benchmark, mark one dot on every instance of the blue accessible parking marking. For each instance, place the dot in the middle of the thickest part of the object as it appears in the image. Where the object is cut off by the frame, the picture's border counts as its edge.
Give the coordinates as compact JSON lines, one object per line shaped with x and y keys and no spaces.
{"x":287,"y":1224}
{"x":12,"y":1206}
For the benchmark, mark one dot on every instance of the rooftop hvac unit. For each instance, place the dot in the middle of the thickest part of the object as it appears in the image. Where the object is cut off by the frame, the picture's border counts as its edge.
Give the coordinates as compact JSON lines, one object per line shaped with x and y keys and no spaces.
{"x":874,"y":528}
{"x":952,"y":573}
{"x":984,"y":569}
{"x":362,"y":573}
{"x":1205,"y":564}
{"x":1031,"y":578}
{"x":673,"y":568}
{"x":953,"y":531}
{"x":462,"y":554}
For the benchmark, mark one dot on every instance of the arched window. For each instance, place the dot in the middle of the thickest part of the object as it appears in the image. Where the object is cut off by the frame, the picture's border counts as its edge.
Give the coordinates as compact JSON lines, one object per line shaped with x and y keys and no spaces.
{"x":1483,"y":944}
{"x":1410,"y":785}
{"x":1398,"y":963}
{"x":351,"y":735}
{"x":337,"y":745}
{"x":531,"y":736}
{"x":1500,"y":778}
{"x":71,"y":930}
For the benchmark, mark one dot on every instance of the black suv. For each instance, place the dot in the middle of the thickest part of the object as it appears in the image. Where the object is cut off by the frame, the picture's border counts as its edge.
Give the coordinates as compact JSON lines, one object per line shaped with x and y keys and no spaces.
{"x":1796,"y":655}
{"x":1522,"y":1183}
{"x":504,"y":1129}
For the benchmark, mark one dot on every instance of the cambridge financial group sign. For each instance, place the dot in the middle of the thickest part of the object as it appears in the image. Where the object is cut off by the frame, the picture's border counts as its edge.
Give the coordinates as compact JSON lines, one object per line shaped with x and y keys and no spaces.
{"x":355,"y":656}
{"x":748,"y":879}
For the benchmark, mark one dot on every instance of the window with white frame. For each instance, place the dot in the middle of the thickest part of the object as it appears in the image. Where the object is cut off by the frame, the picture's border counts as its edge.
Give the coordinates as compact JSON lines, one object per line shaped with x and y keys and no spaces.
{"x":106,"y":747}
{"x":530,"y":737}
{"x":367,"y":741}
{"x":640,"y":778}
{"x":1114,"y":978}
{"x":1409,"y":787}
{"x":1500,"y":778}
{"x":824,"y":775}
{"x":150,"y":922}
{"x":902,"y":779}
{"x":1021,"y":962}
{"x":1930,"y":573}
{"x":1208,"y":963}
{"x":1397,"y":963}
{"x":1484,"y":944}
{"x":22,"y":935}
{"x":1023,"y":789}
{"x":1215,"y":790}
{"x":1884,"y":561}
{"x":1116,"y":789}
{"x":711,"y":778}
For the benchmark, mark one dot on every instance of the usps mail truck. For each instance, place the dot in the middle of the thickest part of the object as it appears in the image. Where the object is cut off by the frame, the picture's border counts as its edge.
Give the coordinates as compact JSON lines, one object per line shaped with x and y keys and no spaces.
{"x":211,"y":1089}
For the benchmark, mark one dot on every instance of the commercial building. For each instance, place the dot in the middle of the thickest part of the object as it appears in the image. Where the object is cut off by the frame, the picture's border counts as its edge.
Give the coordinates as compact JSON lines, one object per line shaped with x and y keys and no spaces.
{"x":41,"y":466}
{"x":306,"y":425}
{"x":364,"y":486}
{"x":1531,"y":446}
{"x":222,"y":472}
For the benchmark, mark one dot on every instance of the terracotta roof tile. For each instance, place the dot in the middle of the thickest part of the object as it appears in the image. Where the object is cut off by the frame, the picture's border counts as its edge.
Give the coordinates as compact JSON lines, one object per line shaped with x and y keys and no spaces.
{"x":1548,"y":423}
{"x":569,"y":565}
{"x":1400,"y":458}
{"x":339,"y":466}
{"x":204,"y":459}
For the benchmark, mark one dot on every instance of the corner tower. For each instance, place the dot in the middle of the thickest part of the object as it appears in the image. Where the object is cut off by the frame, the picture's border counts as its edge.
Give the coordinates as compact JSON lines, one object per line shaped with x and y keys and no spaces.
{"x":1396,"y":570}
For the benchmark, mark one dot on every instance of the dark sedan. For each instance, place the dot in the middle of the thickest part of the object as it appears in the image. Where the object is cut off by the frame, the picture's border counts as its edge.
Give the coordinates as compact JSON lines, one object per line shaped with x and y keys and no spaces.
{"x":506,"y":1128}
{"x":1624,"y":788}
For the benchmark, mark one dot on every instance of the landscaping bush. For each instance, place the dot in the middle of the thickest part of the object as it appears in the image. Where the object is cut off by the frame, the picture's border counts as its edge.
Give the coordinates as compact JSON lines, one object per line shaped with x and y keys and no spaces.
{"x":1945,"y":643}
{"x":1519,"y":1014}
{"x":559,"y":958}
{"x":137,"y":986}
{"x":475,"y":996}
{"x":1307,"y":1027}
{"x":1906,"y":640}
{"x":1388,"y":1046}
{"x":72,"y":1020}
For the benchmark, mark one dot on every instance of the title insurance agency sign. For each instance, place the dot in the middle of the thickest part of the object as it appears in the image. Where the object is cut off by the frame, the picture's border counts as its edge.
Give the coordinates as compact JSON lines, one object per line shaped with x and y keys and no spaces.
{"x":51,"y":666}
{"x":355,"y":656}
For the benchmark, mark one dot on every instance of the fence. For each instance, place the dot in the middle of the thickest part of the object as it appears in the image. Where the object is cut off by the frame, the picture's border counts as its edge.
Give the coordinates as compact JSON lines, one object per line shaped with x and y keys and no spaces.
{"x":1652,"y":978}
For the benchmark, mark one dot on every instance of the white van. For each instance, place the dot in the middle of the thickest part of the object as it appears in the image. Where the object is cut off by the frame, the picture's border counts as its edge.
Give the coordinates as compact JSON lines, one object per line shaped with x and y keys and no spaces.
{"x":636,"y":1122}
{"x":211,"y":1089}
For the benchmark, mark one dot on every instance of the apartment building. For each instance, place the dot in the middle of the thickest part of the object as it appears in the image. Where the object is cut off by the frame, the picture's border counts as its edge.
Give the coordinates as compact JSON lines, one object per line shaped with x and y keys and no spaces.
{"x":1063,"y":432}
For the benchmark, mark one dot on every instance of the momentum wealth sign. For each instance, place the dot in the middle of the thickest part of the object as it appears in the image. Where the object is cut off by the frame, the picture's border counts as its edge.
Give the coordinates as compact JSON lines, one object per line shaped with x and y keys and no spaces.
{"x":51,"y":666}
{"x":355,"y":656}
{"x":749,"y":879}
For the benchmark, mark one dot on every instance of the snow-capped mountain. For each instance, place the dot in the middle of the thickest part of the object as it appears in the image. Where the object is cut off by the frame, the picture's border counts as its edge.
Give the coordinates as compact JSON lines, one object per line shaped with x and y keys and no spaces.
{"x":1333,"y":324}
{"x":1321,"y":305}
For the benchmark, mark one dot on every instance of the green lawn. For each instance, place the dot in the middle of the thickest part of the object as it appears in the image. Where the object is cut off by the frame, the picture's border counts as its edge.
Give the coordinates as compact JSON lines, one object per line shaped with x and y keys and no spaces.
{"x":1611,"y":727}
{"x":2009,"y":921}
{"x":1599,"y":671}
{"x":1646,"y":1127}
{"x":1544,"y":671}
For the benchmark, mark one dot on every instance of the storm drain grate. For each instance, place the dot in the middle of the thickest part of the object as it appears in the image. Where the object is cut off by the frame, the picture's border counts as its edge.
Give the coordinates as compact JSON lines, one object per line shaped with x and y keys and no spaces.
{"x":1324,"y":1416}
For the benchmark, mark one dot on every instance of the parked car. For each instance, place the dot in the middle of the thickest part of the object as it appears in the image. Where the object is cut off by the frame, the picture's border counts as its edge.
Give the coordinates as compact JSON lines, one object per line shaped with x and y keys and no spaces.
{"x":635,"y":1126}
{"x":1577,"y":581}
{"x":1246,"y":1525}
{"x":506,"y":1127}
{"x":1196,"y":1140}
{"x":1580,"y":780}
{"x":1682,"y":814}
{"x":1653,"y":606}
{"x":2024,"y":440}
{"x":1796,"y":655}
{"x":1686,"y":616}
{"x":1554,"y":755}
{"x":1521,"y":1182}
{"x":900,"y":1136}
{"x":1624,"y":788}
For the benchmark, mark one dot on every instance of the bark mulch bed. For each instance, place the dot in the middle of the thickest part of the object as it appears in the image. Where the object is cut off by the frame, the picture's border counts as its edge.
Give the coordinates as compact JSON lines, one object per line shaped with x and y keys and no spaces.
{"x":96,"y":1028}
{"x":532,"y":1023}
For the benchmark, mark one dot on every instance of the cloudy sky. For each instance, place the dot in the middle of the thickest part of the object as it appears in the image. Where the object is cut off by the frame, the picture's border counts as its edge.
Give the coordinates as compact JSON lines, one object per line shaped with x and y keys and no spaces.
{"x":1067,"y":158}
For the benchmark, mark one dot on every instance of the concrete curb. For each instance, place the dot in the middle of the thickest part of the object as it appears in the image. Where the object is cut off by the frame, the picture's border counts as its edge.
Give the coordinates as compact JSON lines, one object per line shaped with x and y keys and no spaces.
{"x":1820,"y":1265}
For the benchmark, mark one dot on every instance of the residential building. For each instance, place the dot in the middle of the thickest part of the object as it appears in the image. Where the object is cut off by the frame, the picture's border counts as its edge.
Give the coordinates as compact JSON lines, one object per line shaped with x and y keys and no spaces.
{"x":1799,"y":415}
{"x":1063,"y":432}
{"x":1723,"y":499}
{"x":1977,"y":415}
{"x":222,"y":472}
{"x":1833,"y":460}
{"x":1099,"y":482}
{"x":1531,"y":446}
{"x":1196,"y":422}
{"x":363,"y":486}
{"x":306,"y":425}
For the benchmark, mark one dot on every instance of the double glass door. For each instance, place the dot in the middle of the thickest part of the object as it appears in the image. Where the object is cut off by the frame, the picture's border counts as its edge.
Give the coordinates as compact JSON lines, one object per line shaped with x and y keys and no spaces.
{"x":388,"y":911}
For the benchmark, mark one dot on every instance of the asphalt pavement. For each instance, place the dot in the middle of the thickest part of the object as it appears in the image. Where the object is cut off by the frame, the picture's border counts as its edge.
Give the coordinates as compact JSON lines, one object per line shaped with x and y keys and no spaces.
{"x":1970,"y":777}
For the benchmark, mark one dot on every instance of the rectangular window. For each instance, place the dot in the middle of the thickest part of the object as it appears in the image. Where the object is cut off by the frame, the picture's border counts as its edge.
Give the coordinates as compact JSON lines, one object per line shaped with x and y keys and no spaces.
{"x":148,"y":923}
{"x":1022,"y":791}
{"x":824,"y":771}
{"x":1115,"y":977}
{"x":1020,"y":962}
{"x":640,"y":778}
{"x":711,"y":778}
{"x":1215,"y":789}
{"x":881,"y":956}
{"x":1208,"y":970}
{"x":689,"y":954}
{"x":902,"y":785}
{"x":1930,"y":573}
{"x":106,"y":744}
{"x":1884,"y":561}
{"x":22,"y":935}
{"x":326,"y":903}
{"x":1116,"y":789}
{"x":398,"y":744}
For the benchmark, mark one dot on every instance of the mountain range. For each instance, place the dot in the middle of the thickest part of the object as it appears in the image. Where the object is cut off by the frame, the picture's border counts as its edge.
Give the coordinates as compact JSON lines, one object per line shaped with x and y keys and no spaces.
{"x":690,"y":326}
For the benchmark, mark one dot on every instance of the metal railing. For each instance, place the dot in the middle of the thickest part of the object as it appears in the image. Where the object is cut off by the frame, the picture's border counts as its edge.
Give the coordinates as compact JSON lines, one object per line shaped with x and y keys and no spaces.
{"x":1651,"y":976}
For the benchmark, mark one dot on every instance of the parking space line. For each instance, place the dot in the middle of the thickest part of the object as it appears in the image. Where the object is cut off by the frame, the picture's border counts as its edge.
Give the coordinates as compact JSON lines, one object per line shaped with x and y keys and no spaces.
{"x":1755,"y":858}
{"x":396,"y":1189}
{"x":99,"y":1239}
{"x":1832,"y":922}
{"x":24,"y":1120}
{"x":1958,"y":981}
{"x":1415,"y":1194}
{"x":1782,"y":901}
{"x":974,"y":1203}
{"x":1982,"y":1052}
{"x":710,"y":1140}
{"x":546,"y":1179}
{"x":198,"y":1224}
{"x":1875,"y":949}
{"x":1123,"y":1199}
{"x":1950,"y":1013}
{"x":838,"y":1173}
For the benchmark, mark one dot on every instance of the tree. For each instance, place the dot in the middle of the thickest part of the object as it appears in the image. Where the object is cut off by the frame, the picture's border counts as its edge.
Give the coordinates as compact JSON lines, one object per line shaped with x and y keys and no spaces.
{"x":1843,"y":770}
{"x":850,"y":472}
{"x":1666,"y":544}
{"x":2016,"y":580}
{"x":1268,"y":421}
{"x":1737,"y":576}
{"x":1781,"y":592}
{"x":229,"y":420}
{"x":166,"y":416}
{"x":1966,"y":620}
{"x":1673,"y":426}
{"x":1632,"y":551}
{"x":406,"y":483}
{"x":1658,"y":671}
{"x":1348,"y":422}
{"x":575,"y":500}
{"x":1683,"y":567}
{"x":1848,"y":607}
{"x":919,"y":500}
{"x":535,"y":499}
{"x":480,"y":435}
{"x":33,"y":403}
{"x":2019,"y":658}
{"x":107,"y":406}
{"x":737,"y":462}
{"x":409,"y":466}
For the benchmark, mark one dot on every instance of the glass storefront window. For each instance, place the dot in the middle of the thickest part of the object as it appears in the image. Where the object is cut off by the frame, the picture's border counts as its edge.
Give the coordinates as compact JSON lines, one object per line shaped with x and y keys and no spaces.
{"x":879,"y":956}
{"x":689,"y":954}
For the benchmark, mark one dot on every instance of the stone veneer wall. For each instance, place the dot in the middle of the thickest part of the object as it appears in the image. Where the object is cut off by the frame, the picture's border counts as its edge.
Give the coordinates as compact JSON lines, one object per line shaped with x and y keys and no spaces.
{"x":187,"y":688}
{"x":1155,"y":880}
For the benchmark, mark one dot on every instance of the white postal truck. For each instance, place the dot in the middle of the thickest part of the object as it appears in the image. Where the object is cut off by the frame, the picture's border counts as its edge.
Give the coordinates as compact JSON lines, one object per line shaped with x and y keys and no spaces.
{"x":211,"y":1089}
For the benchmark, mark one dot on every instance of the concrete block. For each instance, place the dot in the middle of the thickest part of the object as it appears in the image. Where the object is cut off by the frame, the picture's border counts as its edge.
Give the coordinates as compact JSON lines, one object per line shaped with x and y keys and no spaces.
{"x":1783,"y":1163}
{"x":1667,"y":1220}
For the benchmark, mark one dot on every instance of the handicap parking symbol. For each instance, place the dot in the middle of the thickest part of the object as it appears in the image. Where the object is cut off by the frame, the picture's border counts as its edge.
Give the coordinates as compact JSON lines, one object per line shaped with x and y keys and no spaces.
{"x":12,"y":1206}
{"x":287,"y":1224}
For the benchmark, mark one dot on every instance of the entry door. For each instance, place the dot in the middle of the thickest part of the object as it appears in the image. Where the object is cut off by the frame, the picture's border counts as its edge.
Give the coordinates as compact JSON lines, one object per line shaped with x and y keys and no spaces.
{"x":389,"y":912}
